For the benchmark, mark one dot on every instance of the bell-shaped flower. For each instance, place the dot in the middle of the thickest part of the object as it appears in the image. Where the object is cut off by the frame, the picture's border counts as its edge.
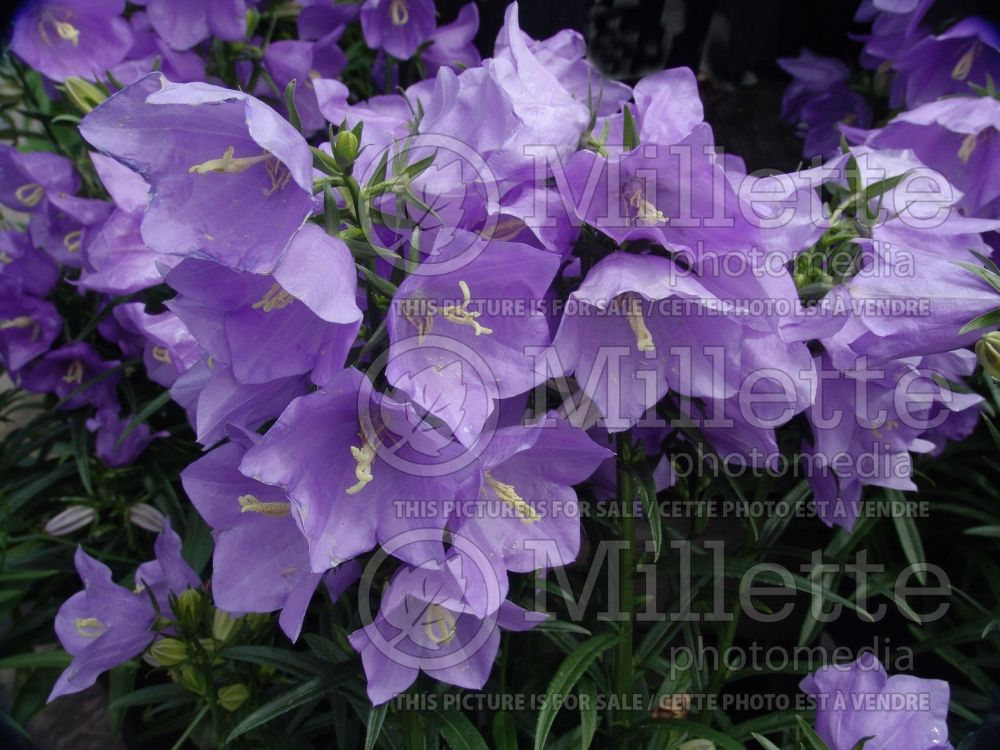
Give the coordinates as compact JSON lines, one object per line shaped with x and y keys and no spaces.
{"x":111,"y":448}
{"x":526,"y":515}
{"x":26,"y":178}
{"x":231,"y":180}
{"x":301,"y":319}
{"x":77,"y":375}
{"x":102,"y":626}
{"x":397,"y":26}
{"x":361,"y":469}
{"x":67,"y":38}
{"x":261,"y":559}
{"x":859,"y":700}
{"x":936,"y":66}
{"x":424,"y":625}
{"x":28,"y":326}
{"x":462,"y":337}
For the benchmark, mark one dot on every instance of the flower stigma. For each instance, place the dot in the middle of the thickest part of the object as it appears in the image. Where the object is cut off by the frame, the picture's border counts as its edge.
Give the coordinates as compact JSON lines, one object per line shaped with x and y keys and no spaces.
{"x":461,"y":315}
{"x":89,"y":627}
{"x":507,"y":494}
{"x":21,"y":321}
{"x":162,"y":354}
{"x":228,"y":164}
{"x":646,"y":213}
{"x":969,"y":144}
{"x":637,"y":322}
{"x":364,"y":455}
{"x":30,"y":194}
{"x":250,"y":504}
{"x":72,"y":240}
{"x":74,"y":373}
{"x":399,"y":13}
{"x":964,"y":66}
{"x":439,"y":624}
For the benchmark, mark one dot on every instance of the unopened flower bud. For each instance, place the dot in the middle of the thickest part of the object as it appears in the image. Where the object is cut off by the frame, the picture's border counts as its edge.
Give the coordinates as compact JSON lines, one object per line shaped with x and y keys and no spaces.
{"x":83,"y":94}
{"x":146,"y":517}
{"x":988,"y":351}
{"x":194,"y":680}
{"x":70,"y":520}
{"x":345,"y":149}
{"x":223,"y":626}
{"x":188,"y":607}
{"x":168,"y":652}
{"x":10,"y":93}
{"x":232,"y":697}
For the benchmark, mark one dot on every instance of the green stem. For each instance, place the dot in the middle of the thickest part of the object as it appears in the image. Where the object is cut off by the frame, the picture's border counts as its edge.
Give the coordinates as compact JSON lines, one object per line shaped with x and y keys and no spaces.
{"x":624,"y":678}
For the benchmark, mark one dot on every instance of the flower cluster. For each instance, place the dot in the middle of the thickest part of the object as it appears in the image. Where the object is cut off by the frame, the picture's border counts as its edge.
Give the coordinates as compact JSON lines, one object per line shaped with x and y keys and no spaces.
{"x":368,"y":303}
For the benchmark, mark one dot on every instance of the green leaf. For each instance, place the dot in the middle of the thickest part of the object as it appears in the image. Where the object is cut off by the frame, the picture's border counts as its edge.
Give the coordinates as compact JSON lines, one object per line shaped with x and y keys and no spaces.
{"x":376,"y":718}
{"x":504,"y":731}
{"x":153,"y":694}
{"x":458,"y":731}
{"x":764,"y":742}
{"x":993,"y":532}
{"x":985,"y":320}
{"x":292,"y":662}
{"x":862,"y":742}
{"x":301,"y":694}
{"x":588,"y":713}
{"x":909,"y":536}
{"x":39,"y":660}
{"x":630,"y":133}
{"x":813,"y":739}
{"x":566,"y":677}
{"x":642,"y":476}
{"x":293,"y":111}
{"x":81,"y":455}
{"x":144,"y":414}
{"x":984,"y":273}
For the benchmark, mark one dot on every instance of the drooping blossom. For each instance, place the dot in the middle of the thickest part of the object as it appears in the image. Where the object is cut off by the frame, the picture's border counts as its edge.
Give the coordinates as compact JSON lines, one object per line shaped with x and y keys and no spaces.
{"x":526,"y":516}
{"x":28,"y":327}
{"x":106,"y":624}
{"x":859,"y":700}
{"x":111,"y":448}
{"x":958,"y":136}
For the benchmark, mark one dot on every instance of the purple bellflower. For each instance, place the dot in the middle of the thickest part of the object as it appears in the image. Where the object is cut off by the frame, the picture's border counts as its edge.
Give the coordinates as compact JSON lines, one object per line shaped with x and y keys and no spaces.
{"x":860,"y":700}
{"x":231,"y":180}
{"x":66,"y":38}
